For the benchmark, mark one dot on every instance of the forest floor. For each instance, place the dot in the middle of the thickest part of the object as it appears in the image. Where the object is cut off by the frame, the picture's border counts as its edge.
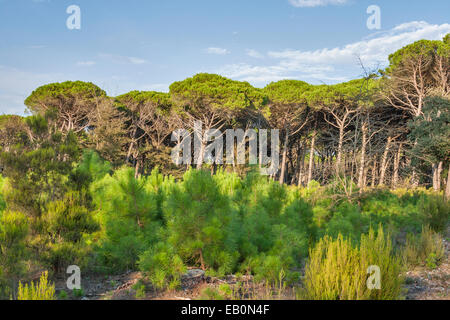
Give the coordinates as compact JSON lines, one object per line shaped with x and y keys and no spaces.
{"x":421,"y":284}
{"x":426,"y":284}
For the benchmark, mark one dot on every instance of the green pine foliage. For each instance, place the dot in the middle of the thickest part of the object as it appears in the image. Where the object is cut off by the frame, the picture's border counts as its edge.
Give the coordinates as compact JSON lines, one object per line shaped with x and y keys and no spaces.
{"x":163,"y":266}
{"x":127,"y":214}
{"x":198,"y":219}
{"x":13,"y":251}
{"x":2,"y":198}
{"x":43,"y":290}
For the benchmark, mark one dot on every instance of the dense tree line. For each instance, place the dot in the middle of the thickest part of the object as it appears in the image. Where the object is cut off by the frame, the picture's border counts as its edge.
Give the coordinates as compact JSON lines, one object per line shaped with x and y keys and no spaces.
{"x":370,"y":129}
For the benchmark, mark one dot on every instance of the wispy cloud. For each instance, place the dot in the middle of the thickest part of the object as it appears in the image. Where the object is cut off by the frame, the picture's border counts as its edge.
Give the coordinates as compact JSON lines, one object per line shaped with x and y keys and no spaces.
{"x":316,"y":3}
{"x":122,"y":59}
{"x":219,"y":51}
{"x":254,"y":54}
{"x":335,"y":64}
{"x":86,"y":63}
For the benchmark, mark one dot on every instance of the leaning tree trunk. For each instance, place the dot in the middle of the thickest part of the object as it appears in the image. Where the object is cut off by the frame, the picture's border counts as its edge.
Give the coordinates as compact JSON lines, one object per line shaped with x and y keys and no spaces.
{"x":395,"y":178}
{"x":301,"y":162}
{"x":362,"y":165}
{"x":311,"y":158}
{"x":283,"y":162}
{"x":384,"y":161}
{"x":374,"y":172}
{"x":339,"y":153}
{"x":447,"y":189}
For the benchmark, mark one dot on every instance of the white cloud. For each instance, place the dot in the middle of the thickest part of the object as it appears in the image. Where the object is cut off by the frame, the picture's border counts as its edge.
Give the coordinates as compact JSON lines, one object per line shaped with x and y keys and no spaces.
{"x":315,"y":3}
{"x":122,"y":59}
{"x":335,"y":64}
{"x":219,"y":51}
{"x":135,"y":60}
{"x":374,"y":50}
{"x":254,"y":54}
{"x":86,"y":63}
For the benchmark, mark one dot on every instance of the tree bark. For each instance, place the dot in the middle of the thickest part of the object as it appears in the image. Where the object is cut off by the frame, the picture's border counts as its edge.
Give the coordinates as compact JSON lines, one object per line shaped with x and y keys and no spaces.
{"x":339,"y":153}
{"x":447,"y":189}
{"x":374,"y":172}
{"x":437,"y":171}
{"x":384,"y":161}
{"x":311,"y":157}
{"x":283,"y":162}
{"x":395,"y":178}
{"x":362,"y":165}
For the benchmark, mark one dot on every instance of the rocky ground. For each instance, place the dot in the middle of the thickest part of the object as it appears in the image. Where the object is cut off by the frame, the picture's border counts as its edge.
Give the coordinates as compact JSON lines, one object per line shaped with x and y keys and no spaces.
{"x":421,"y":284}
{"x":426,"y":284}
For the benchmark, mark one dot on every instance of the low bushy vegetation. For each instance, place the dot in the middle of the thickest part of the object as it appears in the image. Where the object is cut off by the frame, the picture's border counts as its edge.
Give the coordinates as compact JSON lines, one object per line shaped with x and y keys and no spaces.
{"x":338,"y":269}
{"x":42,"y":290}
{"x":110,"y":221}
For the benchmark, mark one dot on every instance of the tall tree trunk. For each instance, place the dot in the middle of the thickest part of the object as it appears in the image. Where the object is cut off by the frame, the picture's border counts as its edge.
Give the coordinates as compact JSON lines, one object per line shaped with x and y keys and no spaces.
{"x":301,"y":167}
{"x":440,"y":168}
{"x":384,"y":163}
{"x":447,"y":189}
{"x":339,"y":153}
{"x":398,"y":156}
{"x":201,"y":155}
{"x":437,"y":171}
{"x":283,"y":162}
{"x":311,"y":157}
{"x":374,"y":172}
{"x":137,"y":168}
{"x":362,"y":165}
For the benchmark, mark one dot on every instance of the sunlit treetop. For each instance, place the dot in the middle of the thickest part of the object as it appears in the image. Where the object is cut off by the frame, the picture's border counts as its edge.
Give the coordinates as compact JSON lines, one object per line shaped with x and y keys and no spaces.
{"x":421,"y":48}
{"x":216,"y":91}
{"x":57,"y":93}
{"x":145,"y":96}
{"x":139,"y":98}
{"x":288,"y":91}
{"x":352,"y":91}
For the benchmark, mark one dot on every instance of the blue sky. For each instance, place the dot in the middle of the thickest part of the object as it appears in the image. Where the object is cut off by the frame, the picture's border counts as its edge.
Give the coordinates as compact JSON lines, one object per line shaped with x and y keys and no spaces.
{"x":126,"y":45}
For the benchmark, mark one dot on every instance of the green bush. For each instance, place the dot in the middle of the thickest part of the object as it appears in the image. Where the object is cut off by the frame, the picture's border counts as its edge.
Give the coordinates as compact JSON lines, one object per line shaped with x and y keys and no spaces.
{"x":2,"y":199}
{"x":127,"y":214}
{"x":66,"y":224}
{"x":41,"y":291}
{"x":163,"y":266}
{"x":13,"y":250}
{"x":427,"y":248}
{"x":436,"y":211}
{"x":198,"y":219}
{"x":337,"y":270}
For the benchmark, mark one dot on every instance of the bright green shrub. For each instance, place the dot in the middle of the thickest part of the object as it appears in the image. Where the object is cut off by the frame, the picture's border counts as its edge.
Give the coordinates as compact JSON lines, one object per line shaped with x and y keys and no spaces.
{"x":198,"y":219}
{"x":90,"y":168}
{"x":41,"y":291}
{"x":347,"y":220}
{"x":127,"y":214}
{"x":66,"y":224}
{"x":13,"y":251}
{"x":427,"y":248}
{"x":67,"y":220}
{"x":436,"y":211}
{"x":337,"y":270}
{"x":2,"y":199}
{"x":163,"y":266}
{"x":277,"y":229}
